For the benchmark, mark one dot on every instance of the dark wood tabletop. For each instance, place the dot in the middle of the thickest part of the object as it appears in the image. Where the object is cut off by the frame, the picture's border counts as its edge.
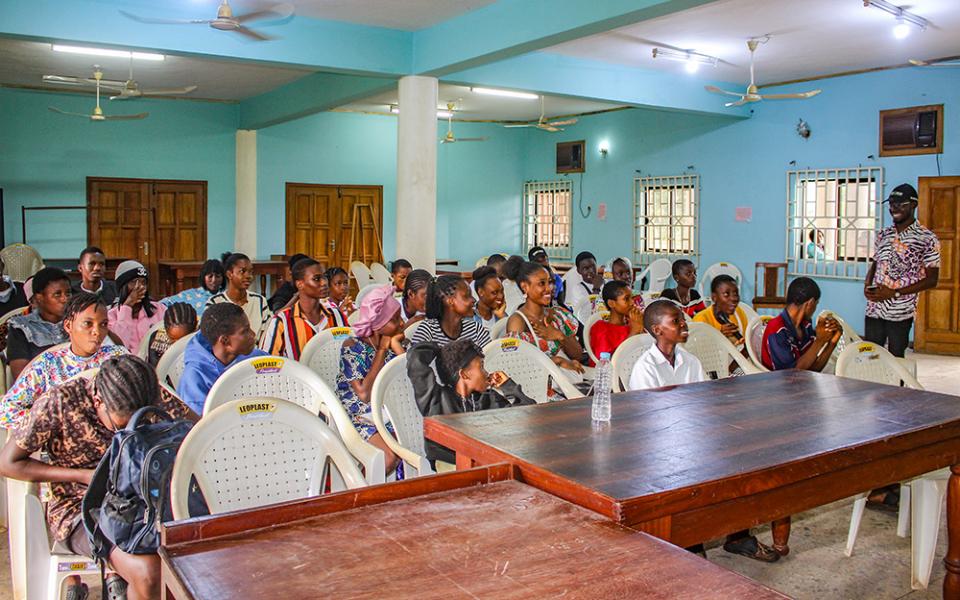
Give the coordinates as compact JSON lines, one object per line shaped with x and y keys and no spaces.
{"x":470,"y":534}
{"x":694,"y":462}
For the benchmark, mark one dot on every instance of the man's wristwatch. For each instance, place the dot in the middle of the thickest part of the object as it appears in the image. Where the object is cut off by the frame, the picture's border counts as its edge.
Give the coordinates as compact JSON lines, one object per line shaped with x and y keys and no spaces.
{"x":896,"y":294}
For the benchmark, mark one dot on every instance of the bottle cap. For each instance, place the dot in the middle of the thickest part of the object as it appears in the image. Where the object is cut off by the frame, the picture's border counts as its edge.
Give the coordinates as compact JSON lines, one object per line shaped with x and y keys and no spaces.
{"x":604,"y":356}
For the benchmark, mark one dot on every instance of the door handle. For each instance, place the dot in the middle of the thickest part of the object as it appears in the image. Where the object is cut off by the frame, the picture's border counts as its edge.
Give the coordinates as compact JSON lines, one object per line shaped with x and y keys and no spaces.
{"x":333,"y":245}
{"x":146,"y":248}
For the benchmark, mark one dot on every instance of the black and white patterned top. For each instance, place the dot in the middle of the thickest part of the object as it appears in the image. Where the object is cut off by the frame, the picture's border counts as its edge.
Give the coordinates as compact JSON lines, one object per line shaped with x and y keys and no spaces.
{"x":429,"y":330}
{"x":902,"y":260}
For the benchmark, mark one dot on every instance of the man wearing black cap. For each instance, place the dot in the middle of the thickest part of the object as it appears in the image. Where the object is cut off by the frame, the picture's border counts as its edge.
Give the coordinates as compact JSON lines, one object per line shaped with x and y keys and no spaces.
{"x":906,"y":261}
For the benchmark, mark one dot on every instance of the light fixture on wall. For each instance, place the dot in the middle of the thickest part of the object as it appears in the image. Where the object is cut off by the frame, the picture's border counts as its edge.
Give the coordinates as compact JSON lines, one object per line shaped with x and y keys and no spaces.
{"x":604,"y":148}
{"x":692,"y":59}
{"x":504,"y":93}
{"x":904,"y":18}
{"x":441,"y":114}
{"x":107,"y":52}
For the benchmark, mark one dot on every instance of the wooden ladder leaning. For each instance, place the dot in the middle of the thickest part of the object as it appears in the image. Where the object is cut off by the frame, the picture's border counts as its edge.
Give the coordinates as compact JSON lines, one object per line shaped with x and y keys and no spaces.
{"x":356,"y":229}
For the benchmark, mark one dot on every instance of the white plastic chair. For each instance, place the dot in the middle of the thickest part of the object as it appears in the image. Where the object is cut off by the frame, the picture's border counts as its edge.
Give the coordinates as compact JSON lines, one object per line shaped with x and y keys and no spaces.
{"x":255,"y":452}
{"x":353,"y":318}
{"x":528,"y":367}
{"x":499,"y":329}
{"x":657,"y":274}
{"x":585,"y":308}
{"x":275,"y":377}
{"x":410,"y":330}
{"x":393,"y":395}
{"x":754,"y":335}
{"x":513,"y":296}
{"x":849,"y":337}
{"x":720,"y":268}
{"x":363,"y":293}
{"x":170,"y":365}
{"x":144,"y":348}
{"x":715,"y":351}
{"x":748,"y":311}
{"x":21,"y":261}
{"x":586,"y":335}
{"x":626,"y":356}
{"x":361,"y":273}
{"x":379,"y":274}
{"x":322,"y":353}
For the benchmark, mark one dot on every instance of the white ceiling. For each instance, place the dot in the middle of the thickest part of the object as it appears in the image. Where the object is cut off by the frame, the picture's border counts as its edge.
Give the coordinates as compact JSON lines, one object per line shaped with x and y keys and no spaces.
{"x":808,"y":38}
{"x":472,"y":106}
{"x":395,"y":14}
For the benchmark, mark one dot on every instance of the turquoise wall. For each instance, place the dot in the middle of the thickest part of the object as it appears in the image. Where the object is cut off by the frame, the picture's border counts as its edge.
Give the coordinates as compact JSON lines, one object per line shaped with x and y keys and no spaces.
{"x":744,"y":162}
{"x":46,"y":157}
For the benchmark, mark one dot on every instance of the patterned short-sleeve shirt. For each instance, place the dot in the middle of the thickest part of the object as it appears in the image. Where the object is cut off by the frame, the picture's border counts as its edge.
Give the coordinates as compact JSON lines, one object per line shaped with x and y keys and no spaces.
{"x":902,"y":260}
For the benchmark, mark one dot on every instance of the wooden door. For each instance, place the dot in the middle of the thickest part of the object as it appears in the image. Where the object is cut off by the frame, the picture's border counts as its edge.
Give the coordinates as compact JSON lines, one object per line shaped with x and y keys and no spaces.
{"x":361,"y":225}
{"x":181,"y":220}
{"x":937,"y":329}
{"x":119,"y":218}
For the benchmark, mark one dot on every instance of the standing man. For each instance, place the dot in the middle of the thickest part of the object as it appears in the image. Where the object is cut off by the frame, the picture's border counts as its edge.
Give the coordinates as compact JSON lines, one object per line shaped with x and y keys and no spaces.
{"x":906,"y":261}
{"x":93,"y":267}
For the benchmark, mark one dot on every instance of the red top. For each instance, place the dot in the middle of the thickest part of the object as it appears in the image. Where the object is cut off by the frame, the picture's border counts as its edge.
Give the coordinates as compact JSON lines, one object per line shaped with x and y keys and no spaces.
{"x":605,"y":337}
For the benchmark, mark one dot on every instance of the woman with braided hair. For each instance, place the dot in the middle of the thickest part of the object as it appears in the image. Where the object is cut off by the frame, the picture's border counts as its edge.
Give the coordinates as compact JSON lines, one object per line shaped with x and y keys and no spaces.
{"x":179,"y":321}
{"x":450,"y":314}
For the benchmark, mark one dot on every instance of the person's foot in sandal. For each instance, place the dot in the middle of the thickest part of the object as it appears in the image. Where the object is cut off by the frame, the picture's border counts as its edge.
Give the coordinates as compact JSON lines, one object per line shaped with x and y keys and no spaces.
{"x":751,"y":547}
{"x":78,"y":591}
{"x":116,"y":588}
{"x":886,"y":499}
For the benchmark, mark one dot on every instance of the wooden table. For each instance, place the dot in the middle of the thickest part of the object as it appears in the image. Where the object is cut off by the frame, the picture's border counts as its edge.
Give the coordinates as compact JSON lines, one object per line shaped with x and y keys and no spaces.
{"x":175,"y":276}
{"x":470,"y":534}
{"x":695,"y":462}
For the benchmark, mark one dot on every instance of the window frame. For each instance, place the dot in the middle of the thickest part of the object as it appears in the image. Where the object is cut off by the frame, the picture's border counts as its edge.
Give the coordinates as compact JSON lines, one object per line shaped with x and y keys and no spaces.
{"x":531,"y":223}
{"x":642,"y":186}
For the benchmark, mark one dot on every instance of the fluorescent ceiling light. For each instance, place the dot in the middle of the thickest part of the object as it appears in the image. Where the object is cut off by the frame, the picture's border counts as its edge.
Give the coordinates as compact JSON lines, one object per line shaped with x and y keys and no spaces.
{"x":901,"y":29}
{"x":106,"y":52}
{"x":692,"y":59}
{"x":441,"y":114}
{"x":504,"y":93}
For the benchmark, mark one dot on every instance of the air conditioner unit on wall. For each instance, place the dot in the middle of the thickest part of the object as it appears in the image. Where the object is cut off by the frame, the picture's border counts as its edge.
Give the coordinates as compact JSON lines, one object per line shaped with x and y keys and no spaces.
{"x":914,"y":130}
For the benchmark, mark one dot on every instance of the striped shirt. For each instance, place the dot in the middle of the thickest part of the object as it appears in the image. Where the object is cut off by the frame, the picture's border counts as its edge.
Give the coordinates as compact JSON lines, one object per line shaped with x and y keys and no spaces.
{"x":430,"y":331}
{"x":256,"y":309}
{"x":288,"y":332}
{"x":902,"y":260}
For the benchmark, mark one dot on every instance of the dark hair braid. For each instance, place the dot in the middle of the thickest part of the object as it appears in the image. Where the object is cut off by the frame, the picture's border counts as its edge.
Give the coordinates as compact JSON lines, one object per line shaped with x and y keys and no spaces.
{"x":439,"y":289}
{"x":126,"y":384}
{"x":180,"y":314}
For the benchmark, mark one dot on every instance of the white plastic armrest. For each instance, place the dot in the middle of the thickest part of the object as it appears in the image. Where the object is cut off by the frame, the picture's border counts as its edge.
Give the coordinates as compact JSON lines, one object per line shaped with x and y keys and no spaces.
{"x":366,"y":453}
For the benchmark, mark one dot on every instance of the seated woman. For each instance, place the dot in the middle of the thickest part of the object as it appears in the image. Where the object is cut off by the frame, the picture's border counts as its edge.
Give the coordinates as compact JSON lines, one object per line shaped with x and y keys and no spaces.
{"x":212,"y":278}
{"x":413,"y":305}
{"x":538,"y":255}
{"x":450,"y":314}
{"x":379,"y":337}
{"x":31,"y":334}
{"x":180,"y":320}
{"x":625,"y":319}
{"x":399,"y":270}
{"x":685,"y":274}
{"x":725,"y":313}
{"x":239,"y":271}
{"x":339,"y":304}
{"x":133,"y":312}
{"x":85,"y":321}
{"x":536,"y":321}
{"x":72,"y":425}
{"x":464,"y":386}
{"x":491,"y":306}
{"x":289,"y":330}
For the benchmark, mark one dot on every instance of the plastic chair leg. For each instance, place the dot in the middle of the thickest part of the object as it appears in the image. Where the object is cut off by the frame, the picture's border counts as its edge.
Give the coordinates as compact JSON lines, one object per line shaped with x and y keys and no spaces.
{"x":928,"y":495}
{"x":903,"y":517}
{"x":858,"y":505}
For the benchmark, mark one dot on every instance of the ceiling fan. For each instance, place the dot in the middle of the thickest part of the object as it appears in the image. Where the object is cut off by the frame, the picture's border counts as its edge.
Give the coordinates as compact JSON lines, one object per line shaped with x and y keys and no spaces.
{"x":751,"y":94}
{"x":124,"y":89}
{"x":97,"y":114}
{"x":543,"y":124}
{"x":452,"y":139}
{"x":940,"y":62}
{"x":226,"y":20}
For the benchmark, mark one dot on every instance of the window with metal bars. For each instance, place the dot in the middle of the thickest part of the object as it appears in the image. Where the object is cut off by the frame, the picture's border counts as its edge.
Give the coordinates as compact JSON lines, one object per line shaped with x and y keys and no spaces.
{"x":833,"y":216}
{"x":666,"y":217}
{"x":547,"y":222}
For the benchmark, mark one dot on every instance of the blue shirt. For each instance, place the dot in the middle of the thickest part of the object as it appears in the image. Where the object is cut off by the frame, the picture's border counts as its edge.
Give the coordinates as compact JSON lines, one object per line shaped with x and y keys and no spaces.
{"x":781,"y":342}
{"x":201,"y":369}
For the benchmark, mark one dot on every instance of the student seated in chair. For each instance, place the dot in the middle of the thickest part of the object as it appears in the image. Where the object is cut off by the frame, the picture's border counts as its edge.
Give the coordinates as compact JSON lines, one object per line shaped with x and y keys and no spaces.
{"x":284,"y":296}
{"x":491,"y":304}
{"x":413,"y":304}
{"x":212,"y":280}
{"x":93,"y":269}
{"x":450,"y":314}
{"x":399,"y":270}
{"x":239,"y":272}
{"x":86,"y":324}
{"x":464,"y":385}
{"x":133,"y":313}
{"x":538,"y":255}
{"x":625,"y":319}
{"x":73,"y":425}
{"x":30,"y":334}
{"x":685,"y":274}
{"x":225,"y":338}
{"x":790,"y":340}
{"x":338,"y":302}
{"x":289,"y":330}
{"x":179,"y":321}
{"x":590,"y":280}
{"x":725,"y":314}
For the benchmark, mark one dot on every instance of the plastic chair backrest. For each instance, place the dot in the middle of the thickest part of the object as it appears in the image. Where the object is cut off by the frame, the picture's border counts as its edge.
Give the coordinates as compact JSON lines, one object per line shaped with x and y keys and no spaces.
{"x":585,"y":308}
{"x":255,"y":452}
{"x":170,"y":365}
{"x":586,"y":335}
{"x":21,"y":261}
{"x":527,"y":366}
{"x":144,"y":346}
{"x":871,"y":362}
{"x":322,"y":354}
{"x":657,"y":274}
{"x":353,"y":318}
{"x":364,"y":291}
{"x":754,"y":335}
{"x":748,"y":311}
{"x":393,"y":395}
{"x":411,"y":329}
{"x":513,"y":297}
{"x":715,"y":351}
{"x":720,"y":268}
{"x":361,"y":273}
{"x":499,"y":329}
{"x":13,"y":313}
{"x":379,"y":273}
{"x":626,"y":356}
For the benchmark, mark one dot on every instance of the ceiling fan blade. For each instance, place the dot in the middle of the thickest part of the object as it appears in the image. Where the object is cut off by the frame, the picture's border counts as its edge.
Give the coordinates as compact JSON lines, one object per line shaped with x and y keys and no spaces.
{"x":799,"y":95}
{"x":739,"y":102}
{"x":525,"y":125}
{"x":68,"y":80}
{"x":126,"y":117}
{"x":153,"y":21}
{"x":70,"y":114}
{"x":254,"y":35}
{"x":477,"y":139}
{"x":716,"y":90}
{"x":549,"y":128}
{"x":567,"y":122}
{"x":169,"y":92}
{"x":277,"y":11}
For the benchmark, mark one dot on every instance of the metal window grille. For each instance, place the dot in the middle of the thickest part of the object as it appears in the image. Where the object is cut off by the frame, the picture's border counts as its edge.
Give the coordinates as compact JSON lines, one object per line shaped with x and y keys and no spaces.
{"x":547,"y":216}
{"x":833,"y":216}
{"x":666,"y":217}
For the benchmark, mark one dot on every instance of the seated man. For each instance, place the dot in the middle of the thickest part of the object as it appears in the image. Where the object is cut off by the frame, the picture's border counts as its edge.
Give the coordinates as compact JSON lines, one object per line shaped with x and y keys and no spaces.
{"x":73,"y":425}
{"x":790,"y":341}
{"x":589,"y":282}
{"x":93,"y":267}
{"x":225,"y":338}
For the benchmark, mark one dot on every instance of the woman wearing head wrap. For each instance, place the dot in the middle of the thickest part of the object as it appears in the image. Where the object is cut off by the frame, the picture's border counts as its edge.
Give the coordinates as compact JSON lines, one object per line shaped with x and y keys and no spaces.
{"x":212,"y":280}
{"x":133,"y":312}
{"x":378,"y":333}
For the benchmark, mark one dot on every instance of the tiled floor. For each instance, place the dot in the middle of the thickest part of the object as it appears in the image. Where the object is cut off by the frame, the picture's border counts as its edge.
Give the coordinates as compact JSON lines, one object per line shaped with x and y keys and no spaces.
{"x":816,"y":566}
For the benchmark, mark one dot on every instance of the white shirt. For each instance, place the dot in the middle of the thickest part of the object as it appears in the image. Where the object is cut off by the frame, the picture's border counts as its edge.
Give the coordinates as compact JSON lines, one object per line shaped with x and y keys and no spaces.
{"x":652,"y":369}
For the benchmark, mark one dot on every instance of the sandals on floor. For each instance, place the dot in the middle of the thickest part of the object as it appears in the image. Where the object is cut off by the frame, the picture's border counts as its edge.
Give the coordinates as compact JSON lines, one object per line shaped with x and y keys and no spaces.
{"x":889,"y":504}
{"x":752,"y":548}
{"x":78,"y":592}
{"x":116,"y":588}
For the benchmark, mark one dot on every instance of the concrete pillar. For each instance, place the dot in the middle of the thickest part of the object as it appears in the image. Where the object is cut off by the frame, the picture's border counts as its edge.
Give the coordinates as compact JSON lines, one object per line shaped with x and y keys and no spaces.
{"x":245,"y":232}
{"x":417,"y":172}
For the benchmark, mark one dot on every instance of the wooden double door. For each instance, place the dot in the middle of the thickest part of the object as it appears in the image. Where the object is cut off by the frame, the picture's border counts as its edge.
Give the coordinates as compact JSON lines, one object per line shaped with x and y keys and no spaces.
{"x":148,"y":220}
{"x":335,"y":224}
{"x":937,"y":328}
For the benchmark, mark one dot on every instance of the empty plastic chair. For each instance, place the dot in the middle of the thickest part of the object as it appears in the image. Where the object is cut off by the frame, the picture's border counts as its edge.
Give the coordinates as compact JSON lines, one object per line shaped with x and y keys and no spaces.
{"x":393,"y":401}
{"x":21,"y":261}
{"x":626,"y":356}
{"x":657,"y":274}
{"x":361,"y":273}
{"x":379,"y":273}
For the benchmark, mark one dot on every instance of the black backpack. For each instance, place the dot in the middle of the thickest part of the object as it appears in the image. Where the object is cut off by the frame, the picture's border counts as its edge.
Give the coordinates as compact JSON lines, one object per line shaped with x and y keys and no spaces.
{"x":129,"y":495}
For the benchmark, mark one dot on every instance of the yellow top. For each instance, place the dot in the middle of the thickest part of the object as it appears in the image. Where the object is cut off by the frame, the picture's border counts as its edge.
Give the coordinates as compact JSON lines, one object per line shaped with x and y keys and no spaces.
{"x":739,"y":319}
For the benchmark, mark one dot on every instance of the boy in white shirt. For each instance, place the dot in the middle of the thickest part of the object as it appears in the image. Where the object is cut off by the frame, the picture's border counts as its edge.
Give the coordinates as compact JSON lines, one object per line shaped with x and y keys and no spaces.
{"x":666,"y":362}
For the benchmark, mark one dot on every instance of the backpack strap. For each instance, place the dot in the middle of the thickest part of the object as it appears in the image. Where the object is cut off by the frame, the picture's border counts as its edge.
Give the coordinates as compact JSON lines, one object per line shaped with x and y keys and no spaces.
{"x":142,"y":412}
{"x":90,"y":508}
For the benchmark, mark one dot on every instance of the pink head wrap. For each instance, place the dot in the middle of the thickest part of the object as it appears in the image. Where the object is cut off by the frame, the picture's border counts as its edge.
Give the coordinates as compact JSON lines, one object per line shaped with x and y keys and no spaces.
{"x":376,"y":310}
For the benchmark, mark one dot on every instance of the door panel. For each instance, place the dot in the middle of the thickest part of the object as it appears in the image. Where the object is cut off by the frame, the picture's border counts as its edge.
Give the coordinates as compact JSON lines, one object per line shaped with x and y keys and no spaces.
{"x":118,"y":217}
{"x":938,"y":316}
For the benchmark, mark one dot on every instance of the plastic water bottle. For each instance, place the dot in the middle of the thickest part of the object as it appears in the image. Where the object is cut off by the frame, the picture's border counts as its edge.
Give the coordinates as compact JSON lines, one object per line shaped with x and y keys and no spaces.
{"x":601,"y":390}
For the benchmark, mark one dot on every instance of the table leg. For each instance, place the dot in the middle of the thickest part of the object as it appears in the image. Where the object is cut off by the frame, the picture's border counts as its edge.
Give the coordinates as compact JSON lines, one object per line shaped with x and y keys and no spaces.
{"x":951,"y":582}
{"x":781,"y":535}
{"x":464,"y":462}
